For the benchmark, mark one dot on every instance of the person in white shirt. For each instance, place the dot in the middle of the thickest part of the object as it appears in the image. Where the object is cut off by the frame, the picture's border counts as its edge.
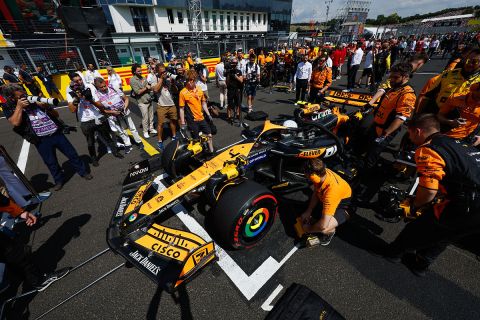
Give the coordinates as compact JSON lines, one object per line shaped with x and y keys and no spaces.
{"x":251,"y":73}
{"x":114,"y":79}
{"x":354,"y":66}
{"x":302,"y":78}
{"x":91,"y":74}
{"x":434,"y":44}
{"x":80,"y":100}
{"x":329,"y":62}
{"x":115,"y":105}
{"x":426,"y":44}
{"x":220,"y":81}
{"x":202,"y":72}
{"x":367,"y":68}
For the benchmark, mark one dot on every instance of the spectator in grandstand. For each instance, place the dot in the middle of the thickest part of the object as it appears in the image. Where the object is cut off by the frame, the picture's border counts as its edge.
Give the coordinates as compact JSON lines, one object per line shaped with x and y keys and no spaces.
{"x":115,"y":105}
{"x":327,"y":208}
{"x":114,"y":79}
{"x":91,"y":74}
{"x":193,"y":108}
{"x":202,"y":73}
{"x":40,"y":125}
{"x":251,"y":74}
{"x":165,"y":105}
{"x":234,"y":80}
{"x":354,"y":66}
{"x":302,"y":78}
{"x":450,"y":82}
{"x":47,"y":80}
{"x":81,"y":100}
{"x":465,"y":110}
{"x":29,"y":80}
{"x":17,"y":255}
{"x":220,"y":81}
{"x":321,"y":79}
{"x":144,"y":96}
{"x":10,"y":76}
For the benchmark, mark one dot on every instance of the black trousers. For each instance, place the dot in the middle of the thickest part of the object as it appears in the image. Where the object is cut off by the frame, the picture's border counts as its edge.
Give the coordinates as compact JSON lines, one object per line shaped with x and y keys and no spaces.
{"x":335,"y":72}
{"x":430,"y":236}
{"x":89,"y":128}
{"x":352,"y":75}
{"x":314,"y":96}
{"x":17,"y":256}
{"x":301,"y":89}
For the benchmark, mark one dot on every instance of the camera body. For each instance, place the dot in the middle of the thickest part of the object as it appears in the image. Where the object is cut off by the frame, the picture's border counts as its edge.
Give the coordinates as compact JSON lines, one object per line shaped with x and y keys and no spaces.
{"x":85,"y":92}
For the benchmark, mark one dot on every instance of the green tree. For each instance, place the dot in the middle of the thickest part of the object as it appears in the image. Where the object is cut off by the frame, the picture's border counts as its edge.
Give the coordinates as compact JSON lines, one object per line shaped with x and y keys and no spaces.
{"x":393,"y":19}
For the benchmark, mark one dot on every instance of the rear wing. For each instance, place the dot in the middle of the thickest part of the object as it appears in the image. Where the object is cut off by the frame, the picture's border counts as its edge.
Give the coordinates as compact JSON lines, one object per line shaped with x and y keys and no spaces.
{"x":349,"y":98}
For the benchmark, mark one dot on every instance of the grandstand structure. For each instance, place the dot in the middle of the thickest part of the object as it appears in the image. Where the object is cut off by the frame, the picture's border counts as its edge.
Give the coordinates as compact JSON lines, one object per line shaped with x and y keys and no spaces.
{"x":352,"y":16}
{"x":450,"y":22}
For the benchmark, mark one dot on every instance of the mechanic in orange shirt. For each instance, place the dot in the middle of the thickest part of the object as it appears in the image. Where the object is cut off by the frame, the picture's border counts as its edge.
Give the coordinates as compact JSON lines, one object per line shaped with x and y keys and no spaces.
{"x":466,"y":110}
{"x":332,"y":195}
{"x":190,"y":60}
{"x":450,"y":173}
{"x":192,"y":104}
{"x":320,"y":80}
{"x":261,"y":58}
{"x":395,"y":108}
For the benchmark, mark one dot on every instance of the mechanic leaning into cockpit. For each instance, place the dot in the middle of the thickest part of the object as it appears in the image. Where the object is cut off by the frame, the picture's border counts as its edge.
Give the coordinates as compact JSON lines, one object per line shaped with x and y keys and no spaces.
{"x":327,"y":208}
{"x":449,"y":173}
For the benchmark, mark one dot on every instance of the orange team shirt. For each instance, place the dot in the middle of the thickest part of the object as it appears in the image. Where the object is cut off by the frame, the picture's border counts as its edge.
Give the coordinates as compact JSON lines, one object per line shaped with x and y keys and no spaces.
{"x":321,"y":78}
{"x":261,"y":59}
{"x":431,"y":170}
{"x":269,"y":58}
{"x":401,"y":101}
{"x":190,"y":61}
{"x":452,"y":65}
{"x":331,"y":191}
{"x":469,"y":110}
{"x":193,"y":99}
{"x":311,"y":54}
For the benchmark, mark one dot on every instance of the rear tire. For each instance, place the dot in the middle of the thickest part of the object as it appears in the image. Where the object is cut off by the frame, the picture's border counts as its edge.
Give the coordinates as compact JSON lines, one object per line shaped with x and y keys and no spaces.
{"x":243,"y":215}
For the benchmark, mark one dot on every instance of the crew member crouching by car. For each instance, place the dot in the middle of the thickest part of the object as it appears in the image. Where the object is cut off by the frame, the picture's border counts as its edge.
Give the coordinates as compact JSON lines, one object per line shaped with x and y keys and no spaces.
{"x":466,"y":108}
{"x":449,"y":172}
{"x":191,"y":103}
{"x":332,"y":195}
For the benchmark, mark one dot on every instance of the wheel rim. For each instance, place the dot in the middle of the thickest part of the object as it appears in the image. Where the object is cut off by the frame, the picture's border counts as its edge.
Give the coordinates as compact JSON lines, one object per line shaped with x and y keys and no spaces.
{"x":258,"y":219}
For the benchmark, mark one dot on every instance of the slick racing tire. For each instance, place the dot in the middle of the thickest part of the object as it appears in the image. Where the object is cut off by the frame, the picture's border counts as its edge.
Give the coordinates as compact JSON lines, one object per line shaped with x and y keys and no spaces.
{"x":243,"y":215}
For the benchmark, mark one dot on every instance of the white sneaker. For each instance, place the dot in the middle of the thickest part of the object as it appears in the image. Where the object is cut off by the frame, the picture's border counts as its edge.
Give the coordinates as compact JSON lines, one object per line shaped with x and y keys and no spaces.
{"x":153,"y":131}
{"x":146,"y":135}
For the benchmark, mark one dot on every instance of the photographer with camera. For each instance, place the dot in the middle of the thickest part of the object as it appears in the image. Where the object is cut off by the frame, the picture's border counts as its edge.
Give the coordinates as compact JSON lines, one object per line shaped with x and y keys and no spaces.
{"x":165,"y":104}
{"x":179,"y":82}
{"x":115,"y":104}
{"x":39,"y":124}
{"x":234,"y":79}
{"x":144,"y":96}
{"x":251,"y":72}
{"x":80,"y":100}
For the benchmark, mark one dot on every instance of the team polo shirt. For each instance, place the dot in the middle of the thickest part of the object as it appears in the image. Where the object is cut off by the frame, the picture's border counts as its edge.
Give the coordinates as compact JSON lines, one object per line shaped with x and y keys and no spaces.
{"x":469,"y":110}
{"x":193,"y":99}
{"x":397,"y":103}
{"x":331,"y":191}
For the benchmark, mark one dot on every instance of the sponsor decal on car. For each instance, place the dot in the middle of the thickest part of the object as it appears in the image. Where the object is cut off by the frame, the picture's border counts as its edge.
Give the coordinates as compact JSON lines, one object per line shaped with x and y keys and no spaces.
{"x":145,"y":262}
{"x":121,"y":207}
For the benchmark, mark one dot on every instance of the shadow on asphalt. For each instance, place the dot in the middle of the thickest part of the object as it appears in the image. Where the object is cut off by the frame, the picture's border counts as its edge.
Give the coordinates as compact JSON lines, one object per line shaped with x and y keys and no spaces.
{"x":46,"y":258}
{"x":424,"y":293}
{"x":180,"y":297}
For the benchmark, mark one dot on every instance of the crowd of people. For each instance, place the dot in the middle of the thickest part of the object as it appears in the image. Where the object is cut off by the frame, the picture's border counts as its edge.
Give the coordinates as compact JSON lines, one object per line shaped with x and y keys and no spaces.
{"x":446,"y":111}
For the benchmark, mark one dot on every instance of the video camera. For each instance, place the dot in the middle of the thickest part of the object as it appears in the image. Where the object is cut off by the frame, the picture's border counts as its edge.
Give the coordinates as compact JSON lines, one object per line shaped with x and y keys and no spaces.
{"x":50,"y":101}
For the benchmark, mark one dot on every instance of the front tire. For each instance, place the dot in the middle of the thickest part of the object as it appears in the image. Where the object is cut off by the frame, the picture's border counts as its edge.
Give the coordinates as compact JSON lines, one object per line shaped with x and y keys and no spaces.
{"x":243,"y":215}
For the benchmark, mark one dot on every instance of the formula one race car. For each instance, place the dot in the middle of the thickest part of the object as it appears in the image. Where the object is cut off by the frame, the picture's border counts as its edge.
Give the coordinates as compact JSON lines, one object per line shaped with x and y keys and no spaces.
{"x":240,"y":184}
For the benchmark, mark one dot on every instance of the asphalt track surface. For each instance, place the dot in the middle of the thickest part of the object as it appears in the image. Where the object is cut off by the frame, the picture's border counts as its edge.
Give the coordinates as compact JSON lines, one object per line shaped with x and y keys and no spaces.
{"x":356,"y":283}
